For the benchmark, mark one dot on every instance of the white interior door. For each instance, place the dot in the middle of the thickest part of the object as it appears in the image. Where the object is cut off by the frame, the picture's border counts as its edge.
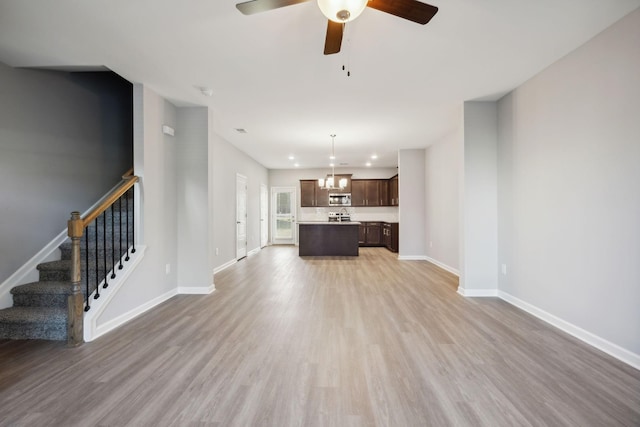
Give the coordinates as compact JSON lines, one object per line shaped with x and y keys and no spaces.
{"x":283,"y":214}
{"x":264,"y":215}
{"x":241,"y":216}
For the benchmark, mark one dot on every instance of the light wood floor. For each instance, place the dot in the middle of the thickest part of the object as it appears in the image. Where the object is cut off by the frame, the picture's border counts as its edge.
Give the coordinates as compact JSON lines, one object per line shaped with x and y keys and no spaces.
{"x":322,"y":342}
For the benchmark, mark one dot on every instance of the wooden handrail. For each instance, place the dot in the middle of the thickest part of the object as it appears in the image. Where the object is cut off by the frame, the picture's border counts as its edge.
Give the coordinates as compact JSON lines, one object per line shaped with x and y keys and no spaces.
{"x":76,"y":228}
{"x":128,"y":174}
{"x":130,"y":180}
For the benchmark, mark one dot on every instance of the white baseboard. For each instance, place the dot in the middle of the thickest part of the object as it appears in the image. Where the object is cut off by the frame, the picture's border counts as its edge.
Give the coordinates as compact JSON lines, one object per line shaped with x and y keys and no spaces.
{"x":196,"y":290}
{"x":91,"y":328}
{"x":608,"y":347}
{"x":412,"y":257}
{"x":477,"y":292}
{"x":253,"y":251}
{"x":225,"y":265}
{"x":443,"y":266}
{"x":126,"y":317}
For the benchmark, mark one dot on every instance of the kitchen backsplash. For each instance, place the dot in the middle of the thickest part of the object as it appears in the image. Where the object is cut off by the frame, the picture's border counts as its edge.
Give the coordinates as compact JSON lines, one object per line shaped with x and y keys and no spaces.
{"x":369,"y":213}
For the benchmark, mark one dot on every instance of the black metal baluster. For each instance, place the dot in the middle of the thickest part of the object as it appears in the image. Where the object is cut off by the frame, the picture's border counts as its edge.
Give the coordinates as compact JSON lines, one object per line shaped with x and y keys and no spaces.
{"x":126,"y":201}
{"x":113,"y":246}
{"x":120,"y":222}
{"x":104,"y":248}
{"x":133,"y":221}
{"x":97,"y":295}
{"x":86,"y":268}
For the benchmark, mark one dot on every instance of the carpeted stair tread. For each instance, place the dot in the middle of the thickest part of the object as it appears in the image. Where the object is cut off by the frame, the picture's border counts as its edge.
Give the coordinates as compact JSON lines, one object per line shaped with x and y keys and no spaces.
{"x":33,"y":315}
{"x":47,"y":323}
{"x":42,"y":294}
{"x":64,"y":264}
{"x":48,"y":287}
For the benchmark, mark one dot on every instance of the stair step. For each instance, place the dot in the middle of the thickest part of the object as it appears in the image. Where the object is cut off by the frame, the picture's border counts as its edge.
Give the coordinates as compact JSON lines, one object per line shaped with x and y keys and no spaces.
{"x":42,"y":294}
{"x":47,"y":323}
{"x":55,"y":271}
{"x":65,"y":251}
{"x":64,"y":267}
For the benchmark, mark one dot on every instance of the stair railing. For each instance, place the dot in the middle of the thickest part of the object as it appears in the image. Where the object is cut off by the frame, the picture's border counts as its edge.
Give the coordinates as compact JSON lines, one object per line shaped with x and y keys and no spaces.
{"x":103,"y":217}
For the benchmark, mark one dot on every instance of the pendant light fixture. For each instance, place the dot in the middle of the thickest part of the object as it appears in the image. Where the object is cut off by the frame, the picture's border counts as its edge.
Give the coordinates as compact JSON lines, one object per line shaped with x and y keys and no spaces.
{"x":328,"y":183}
{"x":342,"y":11}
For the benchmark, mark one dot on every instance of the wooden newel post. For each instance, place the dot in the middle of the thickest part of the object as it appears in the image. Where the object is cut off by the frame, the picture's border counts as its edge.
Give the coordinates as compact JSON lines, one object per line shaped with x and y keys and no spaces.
{"x":75,"y":334}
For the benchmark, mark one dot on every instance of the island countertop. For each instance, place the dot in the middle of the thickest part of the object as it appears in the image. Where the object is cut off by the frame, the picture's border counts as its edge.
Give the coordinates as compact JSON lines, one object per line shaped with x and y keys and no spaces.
{"x":329,"y":223}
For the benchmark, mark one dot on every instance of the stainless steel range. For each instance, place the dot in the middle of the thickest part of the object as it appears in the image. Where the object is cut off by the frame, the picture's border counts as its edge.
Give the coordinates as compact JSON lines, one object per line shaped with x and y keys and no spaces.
{"x":339,"y":216}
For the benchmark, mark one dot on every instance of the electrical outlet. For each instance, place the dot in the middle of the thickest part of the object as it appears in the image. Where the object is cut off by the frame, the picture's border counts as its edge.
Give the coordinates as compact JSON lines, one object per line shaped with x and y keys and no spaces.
{"x":504,"y":269}
{"x":167,"y":269}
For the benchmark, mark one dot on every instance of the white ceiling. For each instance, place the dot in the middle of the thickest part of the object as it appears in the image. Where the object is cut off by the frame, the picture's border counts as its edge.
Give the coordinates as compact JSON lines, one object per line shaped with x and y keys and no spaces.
{"x":269,"y":76}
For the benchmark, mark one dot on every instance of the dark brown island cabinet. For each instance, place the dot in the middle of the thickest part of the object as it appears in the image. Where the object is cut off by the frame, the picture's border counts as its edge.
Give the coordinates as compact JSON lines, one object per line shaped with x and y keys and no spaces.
{"x":383,"y":234}
{"x":328,"y":238}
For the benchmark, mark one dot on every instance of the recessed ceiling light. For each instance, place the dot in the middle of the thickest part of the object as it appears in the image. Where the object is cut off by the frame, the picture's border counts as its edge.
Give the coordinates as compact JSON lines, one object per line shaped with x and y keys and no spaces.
{"x":291,"y":157}
{"x":332,"y":157}
{"x":374,"y":156}
{"x":368,"y":164}
{"x":331,"y":164}
{"x":296,"y":165}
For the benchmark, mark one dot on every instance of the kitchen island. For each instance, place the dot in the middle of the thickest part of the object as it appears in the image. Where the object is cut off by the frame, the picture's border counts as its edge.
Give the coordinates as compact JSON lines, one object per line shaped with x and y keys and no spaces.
{"x":323,"y":238}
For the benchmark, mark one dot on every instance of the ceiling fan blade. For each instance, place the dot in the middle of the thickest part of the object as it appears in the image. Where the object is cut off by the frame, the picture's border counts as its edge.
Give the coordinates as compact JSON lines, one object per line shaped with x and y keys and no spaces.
{"x":333,"y":41}
{"x":257,"y":6}
{"x":412,"y":10}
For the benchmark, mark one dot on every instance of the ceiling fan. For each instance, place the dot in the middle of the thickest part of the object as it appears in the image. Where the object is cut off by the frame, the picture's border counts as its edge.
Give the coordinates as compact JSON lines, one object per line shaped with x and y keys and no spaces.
{"x":340,"y":12}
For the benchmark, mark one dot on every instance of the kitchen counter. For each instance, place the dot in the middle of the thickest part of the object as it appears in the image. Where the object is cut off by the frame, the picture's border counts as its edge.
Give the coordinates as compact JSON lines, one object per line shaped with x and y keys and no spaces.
{"x":330,"y":222}
{"x":324,"y":238}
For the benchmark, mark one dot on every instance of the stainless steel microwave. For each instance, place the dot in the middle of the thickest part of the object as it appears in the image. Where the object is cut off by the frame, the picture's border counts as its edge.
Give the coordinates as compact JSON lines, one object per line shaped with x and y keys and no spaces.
{"x":339,"y":199}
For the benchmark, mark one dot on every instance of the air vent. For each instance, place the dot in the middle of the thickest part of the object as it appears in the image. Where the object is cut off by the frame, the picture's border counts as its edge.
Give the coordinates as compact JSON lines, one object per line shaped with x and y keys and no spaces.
{"x":343,"y":164}
{"x":241,"y":130}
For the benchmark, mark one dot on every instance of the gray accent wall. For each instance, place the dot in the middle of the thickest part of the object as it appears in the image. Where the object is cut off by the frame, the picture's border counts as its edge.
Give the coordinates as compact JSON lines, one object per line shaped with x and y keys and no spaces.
{"x":569,"y":187}
{"x":65,"y":140}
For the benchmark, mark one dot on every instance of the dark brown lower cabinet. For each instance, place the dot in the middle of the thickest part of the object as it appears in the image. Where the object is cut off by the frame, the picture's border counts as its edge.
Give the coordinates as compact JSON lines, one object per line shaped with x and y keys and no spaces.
{"x":383,"y":234}
{"x":390,"y":236}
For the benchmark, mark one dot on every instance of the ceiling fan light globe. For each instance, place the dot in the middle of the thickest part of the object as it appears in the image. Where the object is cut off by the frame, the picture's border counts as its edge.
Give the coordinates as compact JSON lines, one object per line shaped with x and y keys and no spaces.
{"x":342,"y":11}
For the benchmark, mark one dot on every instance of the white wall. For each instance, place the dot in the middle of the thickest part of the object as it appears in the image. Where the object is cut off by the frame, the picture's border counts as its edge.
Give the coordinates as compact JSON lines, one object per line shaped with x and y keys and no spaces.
{"x":569,"y":190}
{"x":411,"y":212}
{"x":226,"y":163}
{"x":479,"y":242}
{"x":443,"y":161}
{"x":194,"y":254}
{"x":65,"y":140}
